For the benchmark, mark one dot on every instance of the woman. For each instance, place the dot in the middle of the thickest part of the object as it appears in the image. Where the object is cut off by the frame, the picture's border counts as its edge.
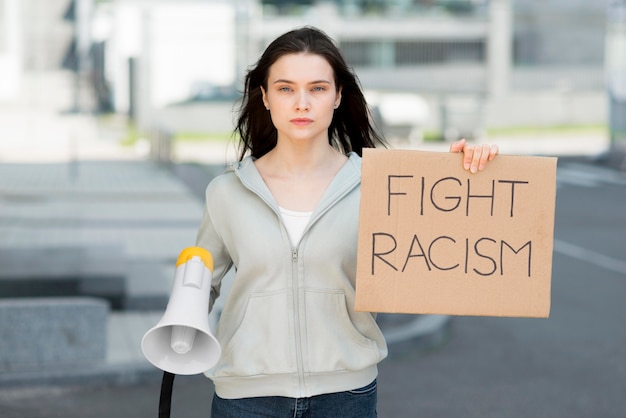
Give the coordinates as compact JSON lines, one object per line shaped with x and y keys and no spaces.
{"x":286,"y":217}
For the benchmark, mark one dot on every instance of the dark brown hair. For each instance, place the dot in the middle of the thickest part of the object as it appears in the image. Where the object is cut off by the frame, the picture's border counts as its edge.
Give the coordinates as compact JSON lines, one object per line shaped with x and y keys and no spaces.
{"x":351,"y":128}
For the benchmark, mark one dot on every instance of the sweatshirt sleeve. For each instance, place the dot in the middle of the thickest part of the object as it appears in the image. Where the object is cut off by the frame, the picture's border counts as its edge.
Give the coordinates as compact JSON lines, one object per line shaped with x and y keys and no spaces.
{"x":208,"y":237}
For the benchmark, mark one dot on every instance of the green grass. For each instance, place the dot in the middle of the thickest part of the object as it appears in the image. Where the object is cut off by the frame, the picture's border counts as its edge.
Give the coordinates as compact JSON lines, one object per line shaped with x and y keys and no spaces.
{"x":538,"y":130}
{"x":131,"y":137}
{"x":433,"y":136}
{"x":202,"y":136}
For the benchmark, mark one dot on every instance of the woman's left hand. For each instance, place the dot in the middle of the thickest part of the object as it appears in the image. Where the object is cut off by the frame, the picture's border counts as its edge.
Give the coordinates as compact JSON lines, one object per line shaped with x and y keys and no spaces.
{"x":475,"y":157}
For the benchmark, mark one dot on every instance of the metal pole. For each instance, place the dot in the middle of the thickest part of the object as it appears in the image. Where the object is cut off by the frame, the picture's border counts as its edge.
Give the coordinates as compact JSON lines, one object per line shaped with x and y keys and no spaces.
{"x":616,"y":72}
{"x":83,"y":10}
{"x":499,"y":47}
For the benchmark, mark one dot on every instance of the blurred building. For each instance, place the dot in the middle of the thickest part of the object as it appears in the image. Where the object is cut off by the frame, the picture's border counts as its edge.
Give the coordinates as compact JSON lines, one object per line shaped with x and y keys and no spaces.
{"x":477,"y":63}
{"x":34,"y":39}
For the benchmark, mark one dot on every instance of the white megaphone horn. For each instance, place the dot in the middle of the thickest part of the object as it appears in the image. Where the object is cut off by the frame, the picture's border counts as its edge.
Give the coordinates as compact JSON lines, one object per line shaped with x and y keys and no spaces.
{"x":182,"y":342}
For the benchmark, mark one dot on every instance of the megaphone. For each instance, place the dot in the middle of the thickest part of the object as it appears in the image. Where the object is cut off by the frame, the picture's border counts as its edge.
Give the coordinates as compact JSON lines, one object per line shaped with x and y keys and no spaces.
{"x":182,"y":342}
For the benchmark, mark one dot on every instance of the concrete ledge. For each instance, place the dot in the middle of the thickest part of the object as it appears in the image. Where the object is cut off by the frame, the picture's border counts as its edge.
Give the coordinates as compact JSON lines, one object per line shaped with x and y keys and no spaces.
{"x":101,"y":375}
{"x":48,"y":334}
{"x":93,"y":271}
{"x":62,"y":262}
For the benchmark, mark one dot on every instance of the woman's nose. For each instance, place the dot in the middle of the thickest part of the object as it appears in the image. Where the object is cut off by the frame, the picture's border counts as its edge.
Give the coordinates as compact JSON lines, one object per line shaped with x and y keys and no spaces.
{"x":302,"y":101}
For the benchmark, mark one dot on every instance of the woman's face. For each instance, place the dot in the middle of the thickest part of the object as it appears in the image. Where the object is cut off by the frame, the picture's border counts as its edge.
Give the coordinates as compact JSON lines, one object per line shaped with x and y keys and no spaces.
{"x":301,"y":96}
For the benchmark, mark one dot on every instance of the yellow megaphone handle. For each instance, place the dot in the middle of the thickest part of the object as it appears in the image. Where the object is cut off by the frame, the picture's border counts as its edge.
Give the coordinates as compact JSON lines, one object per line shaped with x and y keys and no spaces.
{"x":190,"y":252}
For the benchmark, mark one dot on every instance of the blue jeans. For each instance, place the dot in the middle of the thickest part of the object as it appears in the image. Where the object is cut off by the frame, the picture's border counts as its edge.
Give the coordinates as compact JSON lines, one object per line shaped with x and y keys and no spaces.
{"x":358,"y":403}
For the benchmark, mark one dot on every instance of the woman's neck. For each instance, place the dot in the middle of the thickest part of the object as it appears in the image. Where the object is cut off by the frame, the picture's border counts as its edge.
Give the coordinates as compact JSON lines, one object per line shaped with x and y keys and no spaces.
{"x":304,"y":160}
{"x":298,"y":179}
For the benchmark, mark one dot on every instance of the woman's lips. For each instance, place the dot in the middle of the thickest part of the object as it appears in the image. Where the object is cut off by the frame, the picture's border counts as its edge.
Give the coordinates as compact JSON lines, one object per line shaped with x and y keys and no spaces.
{"x":301,"y":121}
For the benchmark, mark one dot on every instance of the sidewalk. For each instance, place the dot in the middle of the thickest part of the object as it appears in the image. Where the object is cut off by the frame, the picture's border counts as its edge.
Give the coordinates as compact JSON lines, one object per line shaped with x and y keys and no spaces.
{"x":56,"y":191}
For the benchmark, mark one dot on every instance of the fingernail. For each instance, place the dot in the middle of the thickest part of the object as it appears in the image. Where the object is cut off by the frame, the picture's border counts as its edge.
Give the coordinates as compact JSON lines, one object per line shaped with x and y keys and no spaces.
{"x":474,"y":169}
{"x":467,"y":166}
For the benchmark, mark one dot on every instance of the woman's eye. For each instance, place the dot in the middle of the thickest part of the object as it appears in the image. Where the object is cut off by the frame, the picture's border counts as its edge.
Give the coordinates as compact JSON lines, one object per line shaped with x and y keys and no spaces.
{"x":284,"y":88}
{"x":319,"y":88}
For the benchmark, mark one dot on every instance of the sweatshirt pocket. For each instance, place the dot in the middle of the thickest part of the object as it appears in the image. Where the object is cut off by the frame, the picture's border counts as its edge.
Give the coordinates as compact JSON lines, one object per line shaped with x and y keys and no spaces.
{"x":334,"y":343}
{"x":261,"y":343}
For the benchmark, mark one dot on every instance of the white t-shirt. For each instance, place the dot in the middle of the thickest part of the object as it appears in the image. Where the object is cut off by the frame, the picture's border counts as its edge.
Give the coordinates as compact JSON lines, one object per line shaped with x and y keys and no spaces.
{"x":295,"y":221}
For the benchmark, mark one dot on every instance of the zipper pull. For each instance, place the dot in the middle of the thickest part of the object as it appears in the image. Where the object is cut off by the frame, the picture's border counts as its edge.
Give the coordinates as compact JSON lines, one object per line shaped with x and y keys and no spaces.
{"x":294,"y":255}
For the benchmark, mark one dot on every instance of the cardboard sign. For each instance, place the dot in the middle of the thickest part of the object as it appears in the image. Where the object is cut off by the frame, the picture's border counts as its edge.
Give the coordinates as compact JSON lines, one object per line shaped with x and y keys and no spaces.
{"x":434,"y":238}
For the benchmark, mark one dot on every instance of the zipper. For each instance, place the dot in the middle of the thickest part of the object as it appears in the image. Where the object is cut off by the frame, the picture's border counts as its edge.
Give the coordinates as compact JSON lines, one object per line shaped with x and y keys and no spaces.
{"x":296,"y":319}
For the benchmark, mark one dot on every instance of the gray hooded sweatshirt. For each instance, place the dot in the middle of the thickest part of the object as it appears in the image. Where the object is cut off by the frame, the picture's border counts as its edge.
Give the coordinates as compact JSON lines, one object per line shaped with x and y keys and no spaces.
{"x":288,"y":326}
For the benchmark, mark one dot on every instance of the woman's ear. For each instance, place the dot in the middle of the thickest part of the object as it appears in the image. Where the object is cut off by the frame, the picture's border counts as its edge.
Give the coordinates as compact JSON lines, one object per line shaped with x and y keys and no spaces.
{"x":338,"y":99}
{"x":265,"y":102}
